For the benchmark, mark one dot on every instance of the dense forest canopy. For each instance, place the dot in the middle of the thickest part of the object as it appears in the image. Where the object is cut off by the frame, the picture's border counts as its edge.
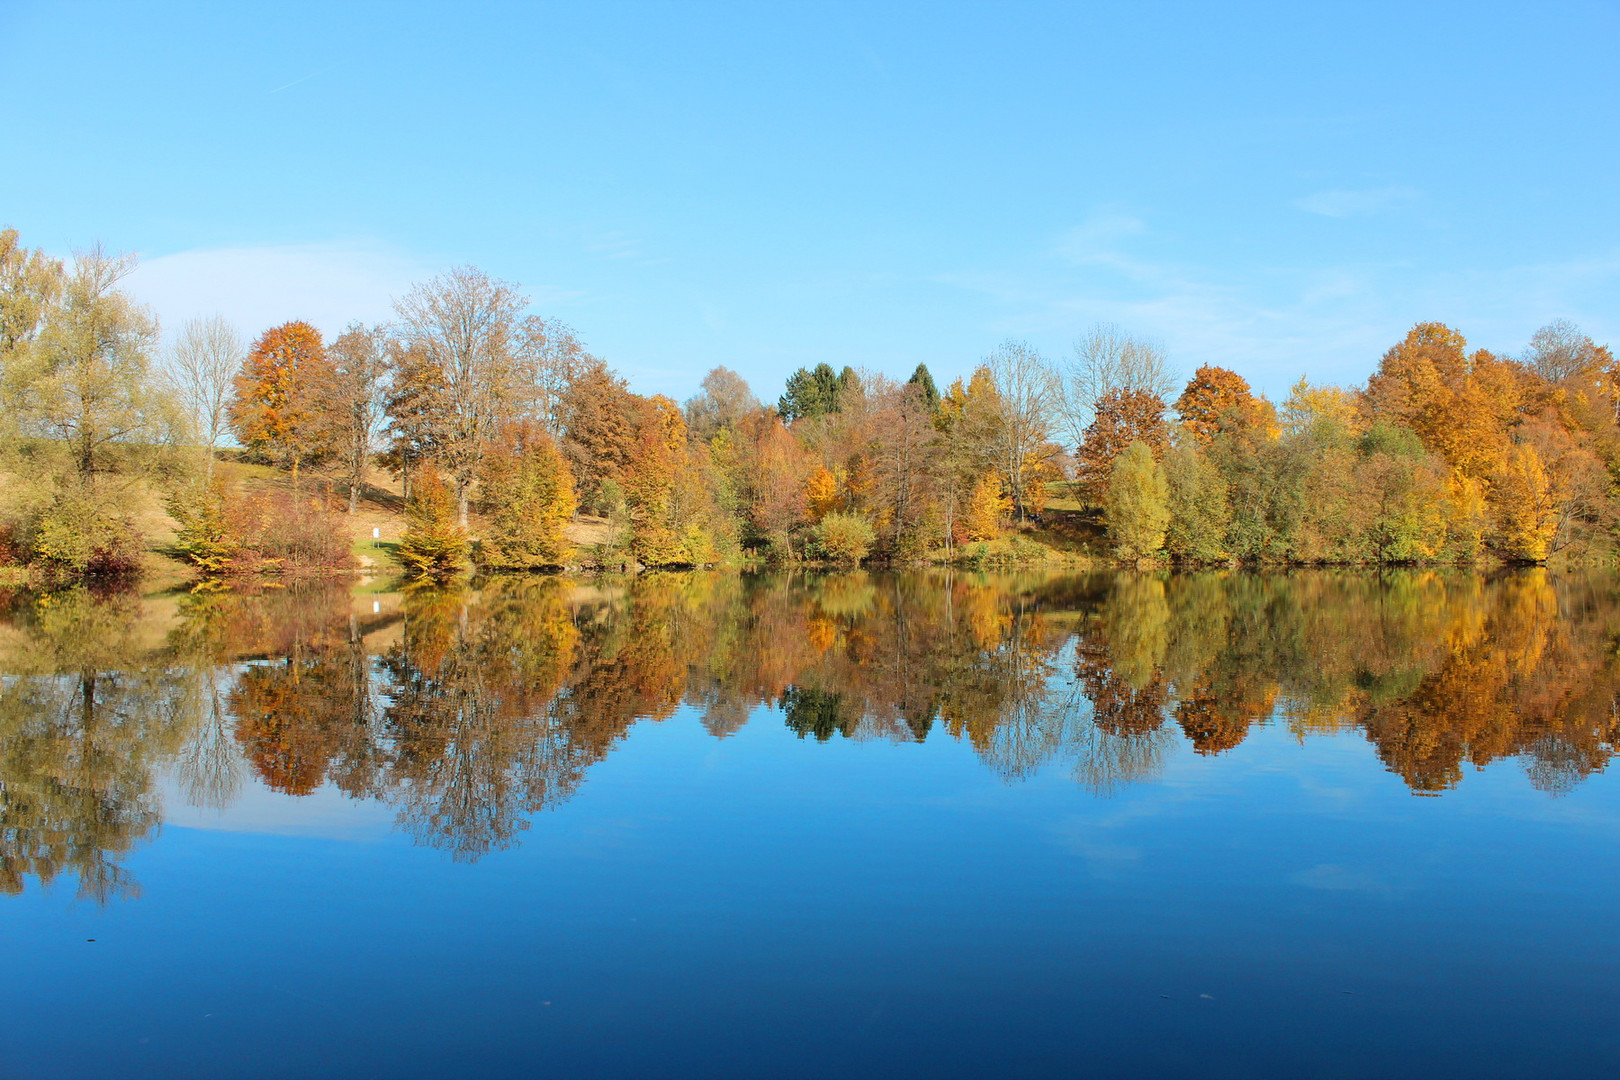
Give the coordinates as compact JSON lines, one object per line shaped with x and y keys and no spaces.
{"x":501,"y":427}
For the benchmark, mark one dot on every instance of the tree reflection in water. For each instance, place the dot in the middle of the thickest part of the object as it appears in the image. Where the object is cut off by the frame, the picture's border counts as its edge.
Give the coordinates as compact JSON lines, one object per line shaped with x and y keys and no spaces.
{"x":470,"y":710}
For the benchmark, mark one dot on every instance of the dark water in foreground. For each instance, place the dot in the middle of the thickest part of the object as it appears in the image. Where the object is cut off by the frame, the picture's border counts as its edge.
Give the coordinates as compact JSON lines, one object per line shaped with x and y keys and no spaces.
{"x":708,"y":826}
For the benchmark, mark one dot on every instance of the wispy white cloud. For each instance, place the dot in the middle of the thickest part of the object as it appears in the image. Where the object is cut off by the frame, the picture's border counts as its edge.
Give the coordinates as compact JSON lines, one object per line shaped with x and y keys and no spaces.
{"x":1342,"y":203}
{"x":328,"y":285}
{"x":1274,"y":324}
{"x":619,"y":245}
{"x":325,"y":812}
{"x":1094,"y":239}
{"x":1332,"y":877}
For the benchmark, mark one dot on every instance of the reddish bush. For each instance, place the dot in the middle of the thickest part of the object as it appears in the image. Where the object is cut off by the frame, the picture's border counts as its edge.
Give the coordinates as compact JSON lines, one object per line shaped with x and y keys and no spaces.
{"x":273,"y":533}
{"x":10,"y":551}
{"x":284,"y":533}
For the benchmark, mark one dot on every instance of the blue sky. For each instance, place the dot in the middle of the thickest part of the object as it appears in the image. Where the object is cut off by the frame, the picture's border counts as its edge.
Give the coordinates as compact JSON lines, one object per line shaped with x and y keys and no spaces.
{"x":1279,"y":189}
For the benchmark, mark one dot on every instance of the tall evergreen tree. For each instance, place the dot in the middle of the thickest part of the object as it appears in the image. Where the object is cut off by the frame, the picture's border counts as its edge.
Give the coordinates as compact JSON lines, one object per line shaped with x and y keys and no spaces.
{"x":811,"y":393}
{"x":925,"y":382}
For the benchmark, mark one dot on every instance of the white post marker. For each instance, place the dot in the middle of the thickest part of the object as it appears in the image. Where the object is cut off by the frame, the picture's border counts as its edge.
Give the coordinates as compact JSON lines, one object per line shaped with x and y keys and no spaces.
{"x":376,"y":535}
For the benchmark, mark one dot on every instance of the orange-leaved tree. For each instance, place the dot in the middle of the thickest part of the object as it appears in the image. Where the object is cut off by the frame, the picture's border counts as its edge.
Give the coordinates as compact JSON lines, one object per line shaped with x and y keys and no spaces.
{"x":1215,"y":398}
{"x":657,"y":456}
{"x":1460,"y":406}
{"x":1122,"y":417}
{"x":272,"y":411}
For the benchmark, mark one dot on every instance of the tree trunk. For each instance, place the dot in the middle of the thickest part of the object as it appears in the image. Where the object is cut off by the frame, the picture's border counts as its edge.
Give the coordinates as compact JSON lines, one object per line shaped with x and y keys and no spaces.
{"x":354,"y":497}
{"x":461,"y":503}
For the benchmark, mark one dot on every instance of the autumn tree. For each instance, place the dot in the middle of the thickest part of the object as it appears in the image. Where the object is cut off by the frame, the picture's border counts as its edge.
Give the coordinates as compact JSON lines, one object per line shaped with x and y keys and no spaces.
{"x":1196,"y":499}
{"x":84,"y":384}
{"x":657,"y":458}
{"x":1460,"y":406}
{"x":1025,"y":391}
{"x":30,"y":283}
{"x":274,"y":410}
{"x":963,"y":450}
{"x":417,"y":406}
{"x":92,"y":383}
{"x":1264,"y":480}
{"x":349,"y":398}
{"x":549,"y":358}
{"x":723,"y":401}
{"x":466,"y":325}
{"x":1579,"y":484}
{"x":1138,"y":503}
{"x":1400,"y":497}
{"x":1122,"y":417}
{"x":845,"y":538}
{"x":985,"y":509}
{"x":777,"y":506}
{"x":821,"y":492}
{"x":1214,"y":398}
{"x":1327,"y":414}
{"x":434,"y":545}
{"x":905,"y":470}
{"x":1526,"y":510}
{"x":1560,"y":351}
{"x":1104,"y":361}
{"x":529,"y":496}
{"x":600,"y":416}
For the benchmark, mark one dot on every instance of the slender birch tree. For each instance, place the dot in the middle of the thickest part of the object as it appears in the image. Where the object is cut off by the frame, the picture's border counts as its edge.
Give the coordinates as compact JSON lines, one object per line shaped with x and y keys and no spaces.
{"x":203,"y":365}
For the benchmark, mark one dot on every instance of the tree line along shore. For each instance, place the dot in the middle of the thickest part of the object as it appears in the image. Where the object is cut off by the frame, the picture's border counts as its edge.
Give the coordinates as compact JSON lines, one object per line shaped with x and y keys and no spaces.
{"x":505,"y":444}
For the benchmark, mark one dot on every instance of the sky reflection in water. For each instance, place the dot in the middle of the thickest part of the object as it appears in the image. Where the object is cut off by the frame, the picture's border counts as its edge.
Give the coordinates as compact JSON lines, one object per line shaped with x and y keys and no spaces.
{"x":708,"y":825}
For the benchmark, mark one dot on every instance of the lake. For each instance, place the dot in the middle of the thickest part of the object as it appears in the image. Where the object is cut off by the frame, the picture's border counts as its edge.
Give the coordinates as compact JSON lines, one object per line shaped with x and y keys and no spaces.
{"x":1324,"y":824}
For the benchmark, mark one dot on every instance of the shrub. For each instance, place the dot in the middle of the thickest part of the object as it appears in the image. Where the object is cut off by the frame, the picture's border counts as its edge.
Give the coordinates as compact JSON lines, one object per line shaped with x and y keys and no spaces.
{"x":701,"y":548}
{"x":201,"y":533}
{"x":288,"y":533}
{"x":656,"y":544}
{"x":845,"y":538}
{"x":1137,"y":503}
{"x":434,"y":545}
{"x":83,"y":534}
{"x":270,"y":533}
{"x":10,"y":550}
{"x":530,"y":494}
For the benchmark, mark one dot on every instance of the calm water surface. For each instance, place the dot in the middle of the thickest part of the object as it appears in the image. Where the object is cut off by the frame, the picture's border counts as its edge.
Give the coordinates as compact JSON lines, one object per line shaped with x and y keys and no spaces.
{"x":1320,"y":824}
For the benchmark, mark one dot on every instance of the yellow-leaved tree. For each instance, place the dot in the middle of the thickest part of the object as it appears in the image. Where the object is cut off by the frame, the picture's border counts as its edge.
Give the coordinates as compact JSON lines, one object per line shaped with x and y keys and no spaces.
{"x":1526,"y":512}
{"x":1138,"y":503}
{"x":821,"y":492}
{"x":985,"y":510}
{"x":529,"y":490}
